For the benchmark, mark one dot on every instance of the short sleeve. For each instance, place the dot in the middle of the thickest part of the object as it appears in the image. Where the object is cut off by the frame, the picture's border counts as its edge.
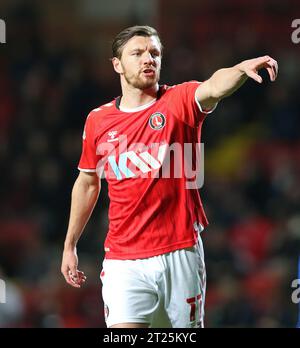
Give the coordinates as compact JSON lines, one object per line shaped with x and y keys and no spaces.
{"x":89,"y":159}
{"x":183,"y":103}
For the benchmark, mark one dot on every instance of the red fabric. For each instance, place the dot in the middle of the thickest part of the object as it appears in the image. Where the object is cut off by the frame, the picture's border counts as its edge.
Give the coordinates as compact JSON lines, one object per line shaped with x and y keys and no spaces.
{"x":148,"y":216}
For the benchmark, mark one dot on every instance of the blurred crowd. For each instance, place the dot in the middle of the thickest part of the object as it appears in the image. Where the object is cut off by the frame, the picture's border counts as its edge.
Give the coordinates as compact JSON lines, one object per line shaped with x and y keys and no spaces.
{"x":51,"y":77}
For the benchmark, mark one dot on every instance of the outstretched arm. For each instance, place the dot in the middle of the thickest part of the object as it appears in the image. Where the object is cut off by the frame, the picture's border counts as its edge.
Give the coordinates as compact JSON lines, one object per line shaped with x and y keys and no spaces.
{"x":84,"y":197}
{"x":226,"y":81}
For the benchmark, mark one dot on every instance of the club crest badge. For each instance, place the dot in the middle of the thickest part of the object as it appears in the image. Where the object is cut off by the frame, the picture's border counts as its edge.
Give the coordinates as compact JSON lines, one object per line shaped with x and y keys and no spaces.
{"x":157,"y":121}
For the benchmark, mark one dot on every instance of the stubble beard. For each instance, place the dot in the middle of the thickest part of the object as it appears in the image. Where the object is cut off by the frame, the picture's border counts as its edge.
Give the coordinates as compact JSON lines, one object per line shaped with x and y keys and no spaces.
{"x":137,"y":81}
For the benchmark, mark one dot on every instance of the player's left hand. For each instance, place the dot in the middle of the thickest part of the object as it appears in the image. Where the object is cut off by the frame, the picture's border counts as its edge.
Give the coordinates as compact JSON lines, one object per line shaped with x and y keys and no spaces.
{"x":250,"y":67}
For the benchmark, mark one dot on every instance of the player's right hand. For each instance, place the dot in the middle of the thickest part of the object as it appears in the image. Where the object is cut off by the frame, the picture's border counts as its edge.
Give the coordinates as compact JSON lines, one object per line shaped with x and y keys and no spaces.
{"x":251,"y":67}
{"x":69,"y":265}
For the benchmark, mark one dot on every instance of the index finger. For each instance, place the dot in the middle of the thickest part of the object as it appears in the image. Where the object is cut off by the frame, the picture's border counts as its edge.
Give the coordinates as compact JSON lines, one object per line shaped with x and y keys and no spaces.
{"x":264,"y":59}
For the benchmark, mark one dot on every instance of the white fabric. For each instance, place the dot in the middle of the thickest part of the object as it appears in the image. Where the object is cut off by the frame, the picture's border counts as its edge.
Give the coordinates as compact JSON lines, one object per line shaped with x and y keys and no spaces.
{"x":138,"y":108}
{"x":205,"y":111}
{"x":155,"y":290}
{"x":87,"y":170}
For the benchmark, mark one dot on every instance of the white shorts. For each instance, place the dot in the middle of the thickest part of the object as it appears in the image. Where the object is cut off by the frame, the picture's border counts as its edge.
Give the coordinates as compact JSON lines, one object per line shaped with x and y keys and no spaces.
{"x":162,"y":291}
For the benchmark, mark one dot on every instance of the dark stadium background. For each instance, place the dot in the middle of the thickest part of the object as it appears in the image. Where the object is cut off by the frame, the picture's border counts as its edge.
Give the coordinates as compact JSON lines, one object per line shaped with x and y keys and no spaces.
{"x":54,"y":68}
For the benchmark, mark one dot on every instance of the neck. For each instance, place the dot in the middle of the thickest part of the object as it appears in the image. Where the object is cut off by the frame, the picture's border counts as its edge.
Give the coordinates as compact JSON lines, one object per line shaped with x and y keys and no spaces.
{"x":134,"y":97}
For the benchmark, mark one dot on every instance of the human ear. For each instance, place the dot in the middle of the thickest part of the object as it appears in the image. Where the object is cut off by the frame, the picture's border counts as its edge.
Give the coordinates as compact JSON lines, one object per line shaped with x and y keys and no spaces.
{"x":117,"y":65}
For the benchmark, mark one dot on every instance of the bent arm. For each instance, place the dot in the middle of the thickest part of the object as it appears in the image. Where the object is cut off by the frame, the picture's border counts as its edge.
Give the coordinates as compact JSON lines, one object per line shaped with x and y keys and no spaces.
{"x":226,"y":81}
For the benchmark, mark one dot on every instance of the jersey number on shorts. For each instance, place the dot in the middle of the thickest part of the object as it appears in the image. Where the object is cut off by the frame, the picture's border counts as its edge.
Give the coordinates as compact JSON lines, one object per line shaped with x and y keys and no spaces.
{"x":192,"y":302}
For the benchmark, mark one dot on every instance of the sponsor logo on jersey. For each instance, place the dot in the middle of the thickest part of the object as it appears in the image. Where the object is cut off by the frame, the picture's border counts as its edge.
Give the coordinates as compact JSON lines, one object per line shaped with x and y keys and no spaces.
{"x":145,"y":162}
{"x":157,"y":121}
{"x":151,"y":161}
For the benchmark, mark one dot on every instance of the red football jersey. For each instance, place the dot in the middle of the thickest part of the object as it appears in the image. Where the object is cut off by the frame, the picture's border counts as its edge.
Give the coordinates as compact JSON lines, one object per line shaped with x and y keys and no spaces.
{"x":151,"y":210}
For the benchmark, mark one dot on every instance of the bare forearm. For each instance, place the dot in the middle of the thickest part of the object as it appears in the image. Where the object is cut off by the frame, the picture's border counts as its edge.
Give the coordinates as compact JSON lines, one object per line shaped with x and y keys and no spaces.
{"x":226,"y":81}
{"x":84,"y":198}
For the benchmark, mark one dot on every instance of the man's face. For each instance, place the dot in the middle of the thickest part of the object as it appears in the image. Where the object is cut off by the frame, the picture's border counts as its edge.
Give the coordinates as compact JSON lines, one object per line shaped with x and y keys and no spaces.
{"x":140,"y":62}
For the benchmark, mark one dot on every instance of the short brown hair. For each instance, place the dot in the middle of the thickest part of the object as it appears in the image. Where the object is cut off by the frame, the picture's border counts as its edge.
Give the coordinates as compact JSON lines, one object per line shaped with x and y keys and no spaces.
{"x":125,"y":35}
